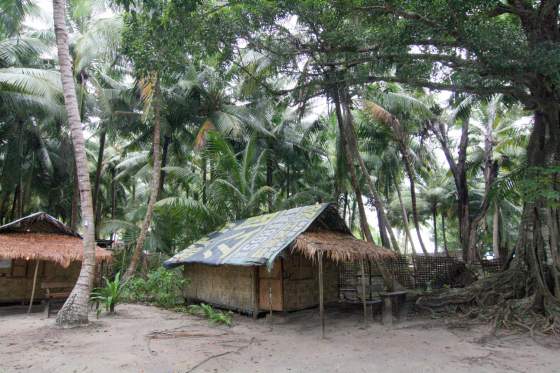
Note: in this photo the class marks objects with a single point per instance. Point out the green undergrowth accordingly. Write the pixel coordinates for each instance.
(160, 287)
(214, 316)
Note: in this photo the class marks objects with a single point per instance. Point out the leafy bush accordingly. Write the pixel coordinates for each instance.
(161, 287)
(213, 315)
(109, 295)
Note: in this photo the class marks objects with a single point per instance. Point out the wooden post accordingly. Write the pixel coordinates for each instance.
(321, 295)
(255, 292)
(34, 285)
(270, 301)
(364, 300)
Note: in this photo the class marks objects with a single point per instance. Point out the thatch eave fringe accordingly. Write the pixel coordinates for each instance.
(338, 247)
(57, 248)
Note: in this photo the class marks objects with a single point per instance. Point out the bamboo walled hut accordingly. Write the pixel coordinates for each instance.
(38, 249)
(273, 262)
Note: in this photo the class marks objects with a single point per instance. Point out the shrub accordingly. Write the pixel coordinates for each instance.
(161, 287)
(109, 295)
(214, 316)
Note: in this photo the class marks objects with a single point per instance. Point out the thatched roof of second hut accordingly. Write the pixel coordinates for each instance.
(41, 237)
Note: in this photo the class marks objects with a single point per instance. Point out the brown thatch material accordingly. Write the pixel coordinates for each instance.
(58, 248)
(338, 247)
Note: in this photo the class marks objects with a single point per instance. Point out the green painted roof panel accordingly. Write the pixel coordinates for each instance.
(253, 241)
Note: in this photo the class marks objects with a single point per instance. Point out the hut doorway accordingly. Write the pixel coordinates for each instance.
(271, 287)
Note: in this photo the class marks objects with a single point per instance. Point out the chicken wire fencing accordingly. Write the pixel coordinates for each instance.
(412, 272)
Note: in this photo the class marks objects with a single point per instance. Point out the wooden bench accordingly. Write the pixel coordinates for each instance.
(55, 291)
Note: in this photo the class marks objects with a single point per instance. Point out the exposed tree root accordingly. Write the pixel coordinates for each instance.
(506, 299)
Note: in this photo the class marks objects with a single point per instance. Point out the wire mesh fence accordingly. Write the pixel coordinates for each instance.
(411, 271)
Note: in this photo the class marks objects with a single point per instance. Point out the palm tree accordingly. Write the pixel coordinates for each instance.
(237, 186)
(152, 95)
(75, 309)
(400, 111)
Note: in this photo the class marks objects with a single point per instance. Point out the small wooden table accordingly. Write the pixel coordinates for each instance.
(396, 298)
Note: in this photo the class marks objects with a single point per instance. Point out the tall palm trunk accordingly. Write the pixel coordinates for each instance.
(405, 218)
(434, 217)
(75, 309)
(444, 235)
(388, 279)
(414, 203)
(496, 231)
(164, 156)
(154, 186)
(98, 168)
(352, 142)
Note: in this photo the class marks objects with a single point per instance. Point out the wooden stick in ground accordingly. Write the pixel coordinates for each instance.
(321, 295)
(270, 301)
(255, 292)
(34, 286)
(364, 301)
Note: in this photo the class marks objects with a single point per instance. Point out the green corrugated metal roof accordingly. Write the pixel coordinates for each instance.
(253, 241)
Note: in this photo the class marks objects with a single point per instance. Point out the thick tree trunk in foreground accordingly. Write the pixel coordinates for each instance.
(522, 291)
(75, 309)
(154, 186)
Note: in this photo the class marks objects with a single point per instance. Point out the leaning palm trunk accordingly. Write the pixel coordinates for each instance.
(353, 143)
(154, 187)
(75, 309)
(388, 279)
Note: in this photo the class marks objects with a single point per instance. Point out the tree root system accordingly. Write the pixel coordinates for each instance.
(507, 299)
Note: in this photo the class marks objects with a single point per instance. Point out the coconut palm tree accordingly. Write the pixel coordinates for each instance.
(75, 309)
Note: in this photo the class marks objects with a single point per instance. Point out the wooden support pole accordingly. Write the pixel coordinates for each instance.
(364, 300)
(255, 292)
(34, 286)
(270, 302)
(321, 294)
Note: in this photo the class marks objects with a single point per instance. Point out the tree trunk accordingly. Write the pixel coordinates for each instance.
(269, 170)
(98, 168)
(287, 179)
(405, 218)
(154, 186)
(444, 235)
(458, 169)
(496, 231)
(113, 193)
(164, 155)
(204, 181)
(382, 230)
(75, 309)
(434, 217)
(388, 280)
(352, 142)
(75, 203)
(410, 174)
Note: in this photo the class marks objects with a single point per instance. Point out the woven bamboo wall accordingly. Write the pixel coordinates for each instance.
(16, 283)
(301, 283)
(225, 286)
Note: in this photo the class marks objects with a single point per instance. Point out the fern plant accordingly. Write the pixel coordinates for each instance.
(214, 316)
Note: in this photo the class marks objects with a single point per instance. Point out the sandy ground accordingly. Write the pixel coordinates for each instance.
(147, 339)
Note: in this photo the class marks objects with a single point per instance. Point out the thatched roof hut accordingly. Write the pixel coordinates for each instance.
(273, 261)
(41, 237)
(39, 249)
